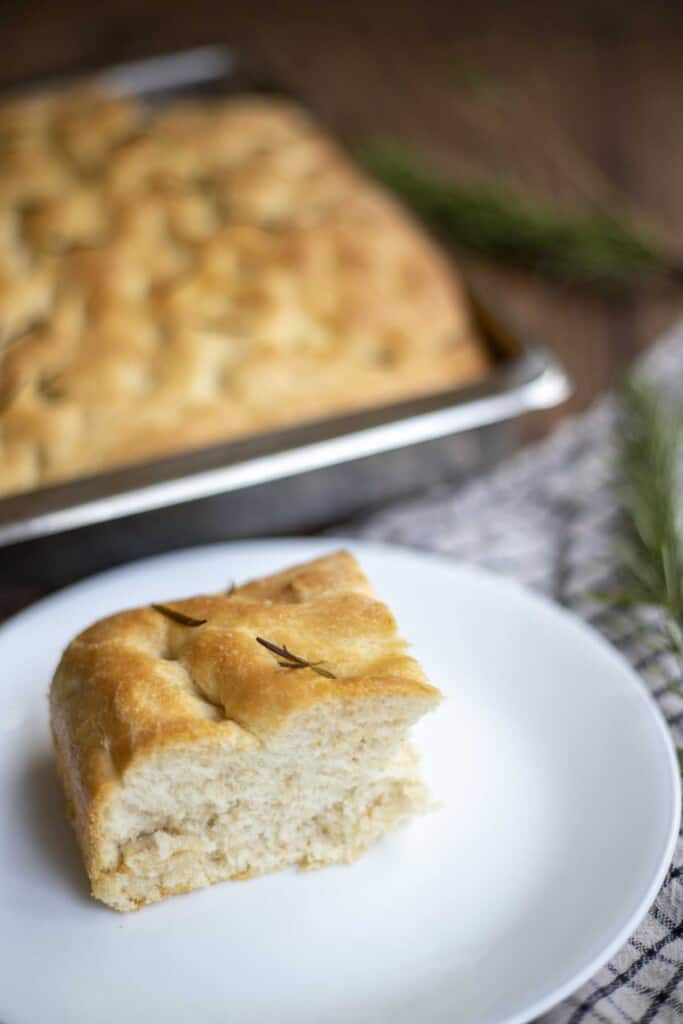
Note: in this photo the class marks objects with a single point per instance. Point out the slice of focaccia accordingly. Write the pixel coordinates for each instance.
(229, 735)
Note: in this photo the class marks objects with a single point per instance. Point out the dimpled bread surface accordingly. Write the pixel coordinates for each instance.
(177, 277)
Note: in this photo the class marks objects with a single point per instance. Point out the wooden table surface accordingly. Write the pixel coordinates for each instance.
(577, 101)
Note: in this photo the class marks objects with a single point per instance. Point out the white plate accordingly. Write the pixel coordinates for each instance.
(560, 806)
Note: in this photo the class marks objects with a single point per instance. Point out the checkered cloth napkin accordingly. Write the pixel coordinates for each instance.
(547, 518)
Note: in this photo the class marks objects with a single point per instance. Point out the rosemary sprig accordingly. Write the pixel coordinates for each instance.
(286, 659)
(651, 547)
(594, 246)
(293, 661)
(179, 617)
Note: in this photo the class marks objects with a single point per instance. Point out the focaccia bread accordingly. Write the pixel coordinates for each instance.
(175, 278)
(230, 735)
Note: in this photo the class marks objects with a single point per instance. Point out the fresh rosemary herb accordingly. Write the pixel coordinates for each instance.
(179, 617)
(594, 246)
(293, 661)
(651, 546)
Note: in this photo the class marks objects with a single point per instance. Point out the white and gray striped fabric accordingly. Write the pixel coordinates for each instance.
(547, 518)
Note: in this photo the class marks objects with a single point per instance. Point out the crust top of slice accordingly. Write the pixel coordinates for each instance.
(138, 681)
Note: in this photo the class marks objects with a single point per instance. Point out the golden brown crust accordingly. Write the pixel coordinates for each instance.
(176, 279)
(137, 682)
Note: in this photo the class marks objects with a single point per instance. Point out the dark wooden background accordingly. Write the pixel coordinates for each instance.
(578, 101)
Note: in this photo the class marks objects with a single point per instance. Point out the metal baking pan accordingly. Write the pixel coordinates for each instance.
(296, 479)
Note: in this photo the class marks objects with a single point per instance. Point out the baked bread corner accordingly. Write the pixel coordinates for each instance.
(225, 736)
